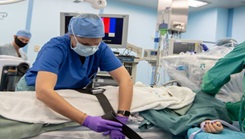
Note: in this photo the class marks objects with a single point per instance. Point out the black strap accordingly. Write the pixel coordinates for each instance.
(105, 104)
(99, 93)
(127, 131)
(110, 114)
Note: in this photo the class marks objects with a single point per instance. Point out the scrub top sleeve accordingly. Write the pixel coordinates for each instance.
(109, 61)
(50, 59)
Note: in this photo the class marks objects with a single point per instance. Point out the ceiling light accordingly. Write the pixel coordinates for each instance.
(196, 3)
(2, 2)
(77, 1)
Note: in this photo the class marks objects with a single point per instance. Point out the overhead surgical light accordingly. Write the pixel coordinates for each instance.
(196, 3)
(2, 2)
(77, 1)
(96, 4)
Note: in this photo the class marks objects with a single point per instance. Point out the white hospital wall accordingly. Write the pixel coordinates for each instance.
(217, 23)
(238, 28)
(222, 23)
(207, 25)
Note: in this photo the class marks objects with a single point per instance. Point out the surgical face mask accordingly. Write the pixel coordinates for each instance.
(19, 42)
(84, 50)
(81, 49)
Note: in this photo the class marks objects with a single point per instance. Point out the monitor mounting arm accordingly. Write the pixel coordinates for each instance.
(96, 4)
(136, 49)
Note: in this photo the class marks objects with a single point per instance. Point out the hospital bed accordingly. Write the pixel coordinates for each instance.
(145, 97)
(84, 133)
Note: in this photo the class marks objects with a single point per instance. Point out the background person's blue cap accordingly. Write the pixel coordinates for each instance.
(87, 26)
(24, 33)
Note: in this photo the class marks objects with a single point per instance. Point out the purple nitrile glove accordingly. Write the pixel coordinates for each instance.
(98, 124)
(116, 134)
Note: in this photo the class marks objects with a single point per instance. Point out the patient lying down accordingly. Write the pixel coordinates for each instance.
(145, 98)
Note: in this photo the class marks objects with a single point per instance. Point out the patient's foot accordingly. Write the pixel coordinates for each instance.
(213, 127)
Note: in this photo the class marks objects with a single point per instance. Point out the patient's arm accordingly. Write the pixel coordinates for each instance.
(215, 127)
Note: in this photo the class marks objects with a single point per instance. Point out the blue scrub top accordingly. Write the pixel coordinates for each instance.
(57, 57)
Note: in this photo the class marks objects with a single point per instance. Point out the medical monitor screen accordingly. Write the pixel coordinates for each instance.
(113, 30)
(183, 47)
(116, 28)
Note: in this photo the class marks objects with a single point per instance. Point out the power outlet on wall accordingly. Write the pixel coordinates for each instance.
(36, 48)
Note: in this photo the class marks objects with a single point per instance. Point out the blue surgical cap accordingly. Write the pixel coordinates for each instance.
(87, 26)
(24, 33)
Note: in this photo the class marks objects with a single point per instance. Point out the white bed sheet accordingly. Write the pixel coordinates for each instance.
(23, 106)
(85, 133)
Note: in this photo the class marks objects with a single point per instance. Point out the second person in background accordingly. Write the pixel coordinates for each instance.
(21, 39)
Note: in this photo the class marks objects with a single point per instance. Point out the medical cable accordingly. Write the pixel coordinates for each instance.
(92, 77)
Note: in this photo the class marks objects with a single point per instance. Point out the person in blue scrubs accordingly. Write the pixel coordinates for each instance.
(71, 62)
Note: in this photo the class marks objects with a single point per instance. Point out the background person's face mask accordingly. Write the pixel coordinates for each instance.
(84, 50)
(19, 42)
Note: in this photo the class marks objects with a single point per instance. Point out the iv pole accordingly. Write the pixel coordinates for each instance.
(161, 30)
